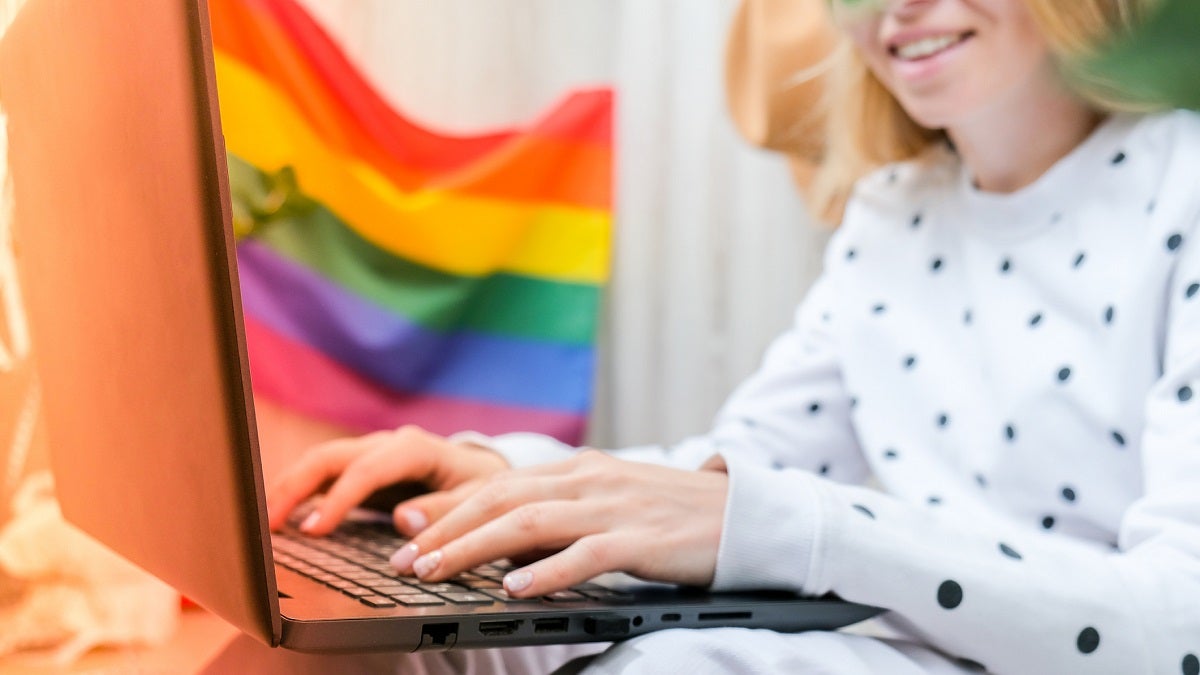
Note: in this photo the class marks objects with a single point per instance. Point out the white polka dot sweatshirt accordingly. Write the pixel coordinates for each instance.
(1021, 375)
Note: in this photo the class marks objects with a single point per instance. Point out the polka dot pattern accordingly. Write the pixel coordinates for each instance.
(1088, 640)
(1000, 287)
(950, 594)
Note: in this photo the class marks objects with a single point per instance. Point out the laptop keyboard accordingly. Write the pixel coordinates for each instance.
(354, 560)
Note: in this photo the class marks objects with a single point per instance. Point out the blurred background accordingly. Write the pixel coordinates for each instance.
(698, 245)
(710, 244)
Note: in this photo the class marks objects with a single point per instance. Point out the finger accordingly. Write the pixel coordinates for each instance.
(492, 500)
(412, 516)
(539, 525)
(314, 468)
(587, 558)
(383, 465)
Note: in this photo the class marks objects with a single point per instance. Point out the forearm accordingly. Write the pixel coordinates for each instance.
(978, 587)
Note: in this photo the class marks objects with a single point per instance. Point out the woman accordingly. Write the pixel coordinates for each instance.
(1005, 335)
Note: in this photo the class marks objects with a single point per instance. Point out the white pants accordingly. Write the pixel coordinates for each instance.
(695, 652)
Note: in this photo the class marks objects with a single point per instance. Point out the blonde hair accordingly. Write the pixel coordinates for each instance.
(866, 127)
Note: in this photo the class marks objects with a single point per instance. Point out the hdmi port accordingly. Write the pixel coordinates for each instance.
(499, 627)
(550, 625)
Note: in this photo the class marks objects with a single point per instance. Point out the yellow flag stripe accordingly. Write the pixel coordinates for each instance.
(441, 229)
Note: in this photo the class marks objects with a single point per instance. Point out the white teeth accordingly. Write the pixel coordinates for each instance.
(926, 46)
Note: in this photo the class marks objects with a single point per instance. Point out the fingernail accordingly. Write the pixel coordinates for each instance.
(310, 522)
(403, 558)
(515, 582)
(426, 564)
(415, 519)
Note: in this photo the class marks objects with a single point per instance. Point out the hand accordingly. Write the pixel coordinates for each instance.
(600, 513)
(364, 464)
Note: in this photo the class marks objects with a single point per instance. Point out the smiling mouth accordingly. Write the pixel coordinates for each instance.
(927, 47)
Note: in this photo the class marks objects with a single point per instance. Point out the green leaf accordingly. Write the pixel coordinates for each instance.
(1159, 63)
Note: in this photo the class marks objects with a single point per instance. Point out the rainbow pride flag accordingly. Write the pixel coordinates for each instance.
(394, 275)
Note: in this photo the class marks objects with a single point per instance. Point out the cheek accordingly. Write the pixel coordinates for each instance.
(872, 52)
(1016, 64)
(878, 62)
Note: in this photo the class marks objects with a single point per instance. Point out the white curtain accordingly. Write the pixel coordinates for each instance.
(713, 248)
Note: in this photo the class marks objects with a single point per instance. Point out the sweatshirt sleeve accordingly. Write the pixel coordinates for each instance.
(991, 591)
(794, 411)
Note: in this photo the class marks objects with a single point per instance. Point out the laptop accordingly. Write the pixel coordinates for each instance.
(126, 253)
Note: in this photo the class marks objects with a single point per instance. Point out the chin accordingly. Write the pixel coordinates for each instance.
(932, 115)
(928, 120)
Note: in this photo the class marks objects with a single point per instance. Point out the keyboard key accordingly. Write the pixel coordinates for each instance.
(609, 595)
(468, 598)
(442, 588)
(396, 588)
(418, 600)
(566, 596)
(503, 596)
(377, 601)
(363, 575)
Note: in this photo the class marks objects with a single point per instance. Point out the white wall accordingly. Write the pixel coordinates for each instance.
(713, 248)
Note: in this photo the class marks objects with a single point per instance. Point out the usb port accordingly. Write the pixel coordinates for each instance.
(499, 627)
(550, 625)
